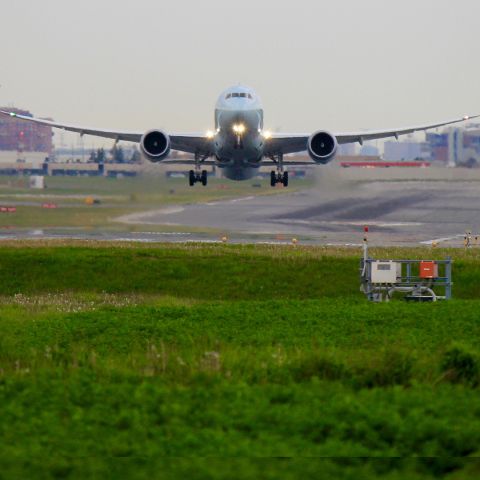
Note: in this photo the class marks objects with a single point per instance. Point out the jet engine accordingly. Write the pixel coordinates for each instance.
(155, 145)
(322, 147)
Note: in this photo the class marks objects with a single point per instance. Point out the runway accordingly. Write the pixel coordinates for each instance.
(398, 212)
(437, 206)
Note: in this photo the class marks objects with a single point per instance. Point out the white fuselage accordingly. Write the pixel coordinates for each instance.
(238, 137)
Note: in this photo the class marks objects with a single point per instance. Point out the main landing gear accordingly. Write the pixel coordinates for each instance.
(280, 176)
(194, 177)
(198, 175)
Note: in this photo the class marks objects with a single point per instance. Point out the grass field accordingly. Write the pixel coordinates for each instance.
(239, 351)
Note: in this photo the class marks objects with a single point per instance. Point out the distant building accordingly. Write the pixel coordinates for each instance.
(369, 151)
(20, 136)
(471, 145)
(346, 150)
(438, 146)
(456, 147)
(406, 151)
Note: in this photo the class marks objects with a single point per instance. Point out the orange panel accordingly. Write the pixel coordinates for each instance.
(428, 270)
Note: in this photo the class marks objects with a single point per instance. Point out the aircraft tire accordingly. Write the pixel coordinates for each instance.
(204, 178)
(191, 178)
(273, 178)
(285, 179)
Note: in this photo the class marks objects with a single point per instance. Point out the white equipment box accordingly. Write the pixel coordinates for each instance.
(386, 272)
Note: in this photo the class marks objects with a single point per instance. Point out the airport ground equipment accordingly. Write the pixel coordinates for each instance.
(418, 280)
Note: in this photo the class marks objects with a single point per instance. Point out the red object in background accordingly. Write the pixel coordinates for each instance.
(384, 164)
(8, 209)
(365, 229)
(49, 205)
(428, 270)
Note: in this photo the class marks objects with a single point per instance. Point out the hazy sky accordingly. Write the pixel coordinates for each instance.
(340, 65)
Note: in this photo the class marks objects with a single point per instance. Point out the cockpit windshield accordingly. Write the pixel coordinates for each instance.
(239, 95)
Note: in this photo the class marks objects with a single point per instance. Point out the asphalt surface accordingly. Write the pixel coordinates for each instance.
(398, 212)
(398, 209)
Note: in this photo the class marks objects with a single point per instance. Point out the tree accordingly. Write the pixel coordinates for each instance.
(118, 155)
(100, 156)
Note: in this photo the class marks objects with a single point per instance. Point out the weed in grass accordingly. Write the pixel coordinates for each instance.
(460, 365)
(391, 367)
(320, 366)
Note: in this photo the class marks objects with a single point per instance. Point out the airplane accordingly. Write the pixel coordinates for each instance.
(239, 144)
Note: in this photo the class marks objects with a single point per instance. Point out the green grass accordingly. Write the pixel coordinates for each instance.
(215, 272)
(191, 351)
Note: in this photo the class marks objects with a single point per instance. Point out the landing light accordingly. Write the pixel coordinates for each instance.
(210, 134)
(267, 135)
(239, 128)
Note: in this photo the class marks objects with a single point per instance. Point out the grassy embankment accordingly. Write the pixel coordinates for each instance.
(117, 196)
(232, 350)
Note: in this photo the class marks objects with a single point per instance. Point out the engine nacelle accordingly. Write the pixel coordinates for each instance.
(322, 147)
(155, 145)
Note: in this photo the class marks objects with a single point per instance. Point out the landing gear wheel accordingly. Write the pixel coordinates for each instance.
(279, 178)
(191, 178)
(273, 179)
(204, 178)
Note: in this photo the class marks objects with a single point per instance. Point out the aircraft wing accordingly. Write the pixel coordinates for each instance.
(126, 136)
(293, 143)
(277, 143)
(361, 137)
(185, 143)
(194, 143)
